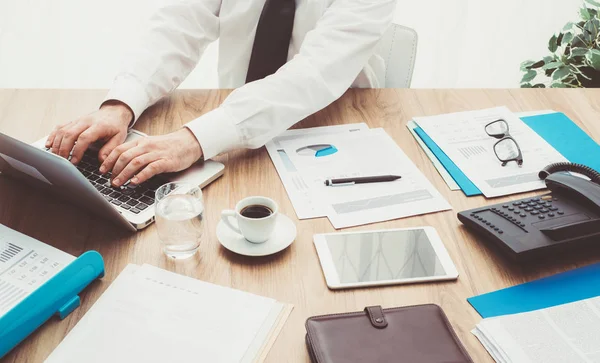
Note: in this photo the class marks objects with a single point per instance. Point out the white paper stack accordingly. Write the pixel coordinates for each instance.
(358, 152)
(568, 333)
(462, 137)
(412, 125)
(152, 315)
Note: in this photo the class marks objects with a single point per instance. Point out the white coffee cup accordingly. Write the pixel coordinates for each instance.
(255, 230)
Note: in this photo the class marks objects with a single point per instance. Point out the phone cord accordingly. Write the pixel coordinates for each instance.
(575, 168)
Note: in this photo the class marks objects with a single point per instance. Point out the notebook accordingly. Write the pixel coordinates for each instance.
(152, 315)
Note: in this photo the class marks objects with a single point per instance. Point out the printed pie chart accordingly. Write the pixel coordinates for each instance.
(317, 151)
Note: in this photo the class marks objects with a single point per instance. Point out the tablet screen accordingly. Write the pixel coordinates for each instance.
(386, 255)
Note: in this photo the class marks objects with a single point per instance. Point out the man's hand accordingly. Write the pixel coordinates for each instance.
(141, 159)
(109, 124)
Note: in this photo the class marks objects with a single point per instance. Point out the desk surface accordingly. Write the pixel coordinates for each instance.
(294, 275)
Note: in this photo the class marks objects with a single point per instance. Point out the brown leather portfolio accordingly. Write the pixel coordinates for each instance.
(413, 334)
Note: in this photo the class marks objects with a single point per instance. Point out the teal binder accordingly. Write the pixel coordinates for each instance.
(57, 296)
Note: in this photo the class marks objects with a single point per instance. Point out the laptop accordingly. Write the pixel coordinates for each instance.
(129, 206)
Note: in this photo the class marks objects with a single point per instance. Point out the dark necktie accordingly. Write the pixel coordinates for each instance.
(272, 40)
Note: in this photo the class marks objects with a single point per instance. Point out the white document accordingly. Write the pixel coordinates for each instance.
(560, 334)
(152, 315)
(294, 184)
(25, 264)
(368, 153)
(463, 138)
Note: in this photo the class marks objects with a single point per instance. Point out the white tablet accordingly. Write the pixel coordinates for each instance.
(386, 257)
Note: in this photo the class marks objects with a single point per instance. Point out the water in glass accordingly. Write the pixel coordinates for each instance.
(179, 214)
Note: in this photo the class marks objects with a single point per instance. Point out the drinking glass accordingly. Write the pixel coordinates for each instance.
(179, 214)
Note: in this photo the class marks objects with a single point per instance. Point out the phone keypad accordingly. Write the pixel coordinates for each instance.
(542, 208)
(517, 212)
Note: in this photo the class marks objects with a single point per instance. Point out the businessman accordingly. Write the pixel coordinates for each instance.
(287, 59)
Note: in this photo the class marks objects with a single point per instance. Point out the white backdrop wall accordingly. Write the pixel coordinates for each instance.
(463, 43)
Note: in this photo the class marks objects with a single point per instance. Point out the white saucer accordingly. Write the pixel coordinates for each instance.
(283, 236)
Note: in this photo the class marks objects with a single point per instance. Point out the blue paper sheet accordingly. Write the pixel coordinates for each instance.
(578, 284)
(556, 128)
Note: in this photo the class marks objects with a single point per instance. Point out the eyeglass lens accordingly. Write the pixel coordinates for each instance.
(506, 150)
(498, 128)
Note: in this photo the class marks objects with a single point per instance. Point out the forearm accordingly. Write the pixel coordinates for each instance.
(170, 49)
(331, 57)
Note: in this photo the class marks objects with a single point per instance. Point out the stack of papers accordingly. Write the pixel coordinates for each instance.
(462, 138)
(554, 127)
(564, 333)
(306, 158)
(152, 315)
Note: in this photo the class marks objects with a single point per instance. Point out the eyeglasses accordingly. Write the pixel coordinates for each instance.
(506, 149)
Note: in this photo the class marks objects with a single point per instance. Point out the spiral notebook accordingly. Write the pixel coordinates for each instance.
(152, 315)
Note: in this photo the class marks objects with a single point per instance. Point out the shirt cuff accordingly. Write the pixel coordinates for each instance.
(131, 93)
(215, 132)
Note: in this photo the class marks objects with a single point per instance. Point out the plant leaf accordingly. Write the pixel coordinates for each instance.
(526, 85)
(592, 27)
(558, 85)
(553, 44)
(549, 59)
(527, 64)
(593, 3)
(578, 42)
(593, 58)
(568, 26)
(585, 14)
(529, 76)
(587, 37)
(539, 85)
(567, 38)
(537, 65)
(578, 52)
(552, 65)
(561, 73)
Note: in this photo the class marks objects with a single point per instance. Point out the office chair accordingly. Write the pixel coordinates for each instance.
(398, 48)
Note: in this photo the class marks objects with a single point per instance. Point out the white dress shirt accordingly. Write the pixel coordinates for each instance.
(332, 49)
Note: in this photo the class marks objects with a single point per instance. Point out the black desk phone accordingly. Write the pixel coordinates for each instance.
(565, 218)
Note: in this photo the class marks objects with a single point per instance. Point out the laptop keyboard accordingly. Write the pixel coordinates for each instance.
(133, 198)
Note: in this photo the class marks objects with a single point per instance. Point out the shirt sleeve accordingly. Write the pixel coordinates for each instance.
(330, 58)
(178, 34)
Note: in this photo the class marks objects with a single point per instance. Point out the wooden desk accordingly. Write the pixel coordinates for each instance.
(293, 275)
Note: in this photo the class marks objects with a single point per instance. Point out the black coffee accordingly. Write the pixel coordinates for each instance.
(256, 211)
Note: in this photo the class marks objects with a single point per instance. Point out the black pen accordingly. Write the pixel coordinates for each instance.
(361, 180)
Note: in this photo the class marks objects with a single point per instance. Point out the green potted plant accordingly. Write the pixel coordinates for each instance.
(575, 55)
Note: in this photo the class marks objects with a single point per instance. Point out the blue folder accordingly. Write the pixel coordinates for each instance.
(556, 128)
(465, 184)
(578, 284)
(57, 296)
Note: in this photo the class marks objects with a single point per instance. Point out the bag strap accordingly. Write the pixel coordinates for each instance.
(375, 314)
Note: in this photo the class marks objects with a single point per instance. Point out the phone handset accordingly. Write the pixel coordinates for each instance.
(570, 167)
(558, 181)
(570, 186)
